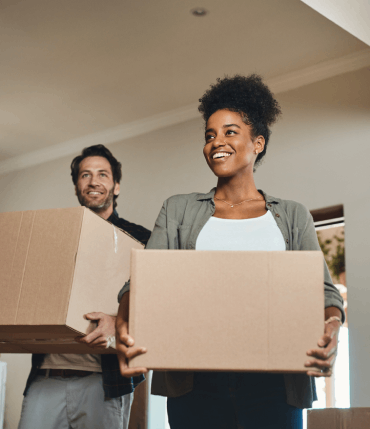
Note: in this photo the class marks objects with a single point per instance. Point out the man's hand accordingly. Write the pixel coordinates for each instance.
(100, 336)
(323, 359)
(125, 343)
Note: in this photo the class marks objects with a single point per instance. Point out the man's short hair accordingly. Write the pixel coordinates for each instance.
(98, 150)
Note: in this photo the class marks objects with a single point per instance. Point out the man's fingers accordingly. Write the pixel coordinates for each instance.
(94, 315)
(91, 337)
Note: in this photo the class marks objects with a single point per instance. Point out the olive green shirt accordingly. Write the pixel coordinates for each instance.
(178, 225)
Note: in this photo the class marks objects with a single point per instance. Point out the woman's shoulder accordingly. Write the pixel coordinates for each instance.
(292, 208)
(185, 199)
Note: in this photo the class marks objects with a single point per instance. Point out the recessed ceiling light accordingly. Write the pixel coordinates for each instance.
(199, 11)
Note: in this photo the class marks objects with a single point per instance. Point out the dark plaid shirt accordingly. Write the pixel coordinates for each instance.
(113, 383)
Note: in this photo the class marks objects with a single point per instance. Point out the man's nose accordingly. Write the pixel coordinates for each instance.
(93, 180)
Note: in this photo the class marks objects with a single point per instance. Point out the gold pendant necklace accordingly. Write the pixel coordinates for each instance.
(232, 205)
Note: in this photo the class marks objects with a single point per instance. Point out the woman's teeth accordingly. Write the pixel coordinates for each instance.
(220, 155)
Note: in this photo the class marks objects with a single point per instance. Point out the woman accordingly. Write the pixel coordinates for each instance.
(238, 113)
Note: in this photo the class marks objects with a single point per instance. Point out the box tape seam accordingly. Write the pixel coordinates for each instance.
(25, 262)
(72, 278)
(115, 239)
(11, 270)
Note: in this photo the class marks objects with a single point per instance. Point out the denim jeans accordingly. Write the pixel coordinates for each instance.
(226, 400)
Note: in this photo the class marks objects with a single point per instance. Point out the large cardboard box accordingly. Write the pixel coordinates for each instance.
(339, 418)
(216, 310)
(55, 266)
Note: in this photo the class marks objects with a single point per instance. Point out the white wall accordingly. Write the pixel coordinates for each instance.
(319, 155)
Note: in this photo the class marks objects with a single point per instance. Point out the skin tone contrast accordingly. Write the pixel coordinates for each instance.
(231, 151)
(95, 189)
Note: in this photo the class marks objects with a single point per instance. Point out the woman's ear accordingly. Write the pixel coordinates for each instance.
(259, 144)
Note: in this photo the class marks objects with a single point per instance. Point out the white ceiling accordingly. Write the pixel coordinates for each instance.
(70, 68)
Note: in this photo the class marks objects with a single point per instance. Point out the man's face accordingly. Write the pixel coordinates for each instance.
(95, 187)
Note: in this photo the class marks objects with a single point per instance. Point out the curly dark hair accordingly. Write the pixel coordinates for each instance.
(247, 95)
(98, 150)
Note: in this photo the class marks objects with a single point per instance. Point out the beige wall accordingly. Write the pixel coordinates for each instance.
(319, 155)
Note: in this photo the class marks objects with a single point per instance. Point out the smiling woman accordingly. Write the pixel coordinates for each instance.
(238, 113)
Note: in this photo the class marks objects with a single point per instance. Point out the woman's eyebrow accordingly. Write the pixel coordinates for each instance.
(223, 126)
(230, 125)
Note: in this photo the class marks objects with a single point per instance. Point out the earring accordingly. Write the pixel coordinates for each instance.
(256, 152)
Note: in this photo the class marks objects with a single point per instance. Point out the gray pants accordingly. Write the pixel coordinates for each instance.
(73, 403)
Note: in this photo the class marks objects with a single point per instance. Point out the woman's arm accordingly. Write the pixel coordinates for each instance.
(309, 241)
(124, 342)
(322, 359)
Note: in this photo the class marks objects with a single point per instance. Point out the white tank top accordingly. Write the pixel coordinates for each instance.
(260, 233)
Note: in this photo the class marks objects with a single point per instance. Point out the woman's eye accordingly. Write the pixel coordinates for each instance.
(230, 132)
(209, 137)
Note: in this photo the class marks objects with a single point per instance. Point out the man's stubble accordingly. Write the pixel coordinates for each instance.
(95, 205)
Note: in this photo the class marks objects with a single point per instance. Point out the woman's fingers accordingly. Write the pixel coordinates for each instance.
(125, 355)
(320, 373)
(125, 339)
(323, 353)
(322, 359)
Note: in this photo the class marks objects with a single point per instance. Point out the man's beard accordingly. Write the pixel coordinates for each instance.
(96, 206)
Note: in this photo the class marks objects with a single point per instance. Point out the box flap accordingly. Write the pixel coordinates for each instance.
(15, 230)
(102, 268)
(49, 266)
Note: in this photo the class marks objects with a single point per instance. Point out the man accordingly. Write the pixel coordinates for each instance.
(85, 391)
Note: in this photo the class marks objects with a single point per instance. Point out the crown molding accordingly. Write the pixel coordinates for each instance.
(293, 80)
(324, 70)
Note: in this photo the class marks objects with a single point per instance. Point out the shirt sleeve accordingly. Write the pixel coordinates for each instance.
(309, 241)
(157, 240)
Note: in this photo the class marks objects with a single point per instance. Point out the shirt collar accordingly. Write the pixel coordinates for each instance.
(211, 194)
(113, 216)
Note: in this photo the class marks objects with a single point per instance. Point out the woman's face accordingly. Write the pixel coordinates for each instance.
(229, 147)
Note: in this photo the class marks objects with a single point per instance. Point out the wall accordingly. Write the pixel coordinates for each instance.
(319, 155)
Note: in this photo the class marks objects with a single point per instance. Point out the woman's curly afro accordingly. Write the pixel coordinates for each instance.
(247, 95)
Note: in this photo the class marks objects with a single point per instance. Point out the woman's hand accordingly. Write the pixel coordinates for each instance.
(322, 359)
(125, 343)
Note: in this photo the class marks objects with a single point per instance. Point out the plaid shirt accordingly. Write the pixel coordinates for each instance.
(113, 383)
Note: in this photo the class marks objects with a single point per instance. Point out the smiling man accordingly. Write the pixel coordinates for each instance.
(66, 391)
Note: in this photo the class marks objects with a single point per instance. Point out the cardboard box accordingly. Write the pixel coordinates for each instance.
(55, 266)
(339, 418)
(233, 310)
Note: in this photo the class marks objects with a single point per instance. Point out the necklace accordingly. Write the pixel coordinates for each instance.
(244, 201)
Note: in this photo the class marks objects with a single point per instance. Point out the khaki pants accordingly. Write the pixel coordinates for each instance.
(73, 403)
